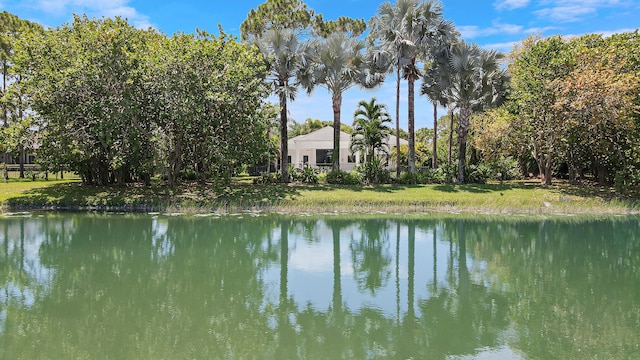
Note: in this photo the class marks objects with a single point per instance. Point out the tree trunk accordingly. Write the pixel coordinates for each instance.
(269, 148)
(398, 158)
(411, 125)
(463, 130)
(434, 155)
(5, 118)
(284, 138)
(21, 161)
(450, 159)
(336, 98)
(175, 163)
(547, 169)
(602, 175)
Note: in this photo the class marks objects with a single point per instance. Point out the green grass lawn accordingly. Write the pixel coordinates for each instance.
(515, 197)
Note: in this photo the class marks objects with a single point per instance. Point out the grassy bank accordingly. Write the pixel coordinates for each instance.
(520, 197)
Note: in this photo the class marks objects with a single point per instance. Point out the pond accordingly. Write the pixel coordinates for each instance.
(323, 287)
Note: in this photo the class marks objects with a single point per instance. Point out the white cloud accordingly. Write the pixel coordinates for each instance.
(565, 11)
(471, 32)
(95, 8)
(504, 48)
(566, 14)
(510, 4)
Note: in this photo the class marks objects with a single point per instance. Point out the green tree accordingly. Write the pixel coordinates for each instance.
(370, 129)
(597, 100)
(435, 85)
(285, 56)
(477, 83)
(533, 70)
(337, 63)
(407, 33)
(308, 126)
(209, 106)
(84, 84)
(14, 133)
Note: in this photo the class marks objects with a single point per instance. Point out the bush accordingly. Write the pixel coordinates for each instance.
(426, 176)
(374, 172)
(340, 177)
(504, 169)
(478, 174)
(268, 178)
(447, 173)
(305, 175)
(628, 179)
(187, 175)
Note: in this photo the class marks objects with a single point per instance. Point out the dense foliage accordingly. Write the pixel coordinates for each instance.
(575, 104)
(115, 103)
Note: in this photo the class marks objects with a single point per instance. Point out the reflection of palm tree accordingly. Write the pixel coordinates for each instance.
(286, 334)
(370, 261)
(408, 341)
(398, 272)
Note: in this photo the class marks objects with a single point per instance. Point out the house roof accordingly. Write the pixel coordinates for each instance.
(326, 134)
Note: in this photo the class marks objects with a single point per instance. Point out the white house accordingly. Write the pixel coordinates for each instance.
(316, 150)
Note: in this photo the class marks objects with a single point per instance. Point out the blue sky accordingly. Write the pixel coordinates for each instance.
(495, 24)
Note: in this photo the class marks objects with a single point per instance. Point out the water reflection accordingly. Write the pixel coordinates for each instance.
(273, 287)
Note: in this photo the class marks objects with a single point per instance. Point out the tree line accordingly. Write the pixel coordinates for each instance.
(117, 104)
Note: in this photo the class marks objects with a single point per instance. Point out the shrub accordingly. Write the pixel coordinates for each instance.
(447, 173)
(504, 169)
(268, 178)
(374, 172)
(305, 175)
(478, 174)
(187, 175)
(628, 179)
(340, 177)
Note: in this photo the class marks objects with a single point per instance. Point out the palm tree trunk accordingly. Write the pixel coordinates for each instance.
(434, 156)
(398, 123)
(411, 125)
(463, 130)
(5, 119)
(337, 104)
(284, 138)
(450, 160)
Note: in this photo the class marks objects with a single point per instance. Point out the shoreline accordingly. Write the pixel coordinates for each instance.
(195, 199)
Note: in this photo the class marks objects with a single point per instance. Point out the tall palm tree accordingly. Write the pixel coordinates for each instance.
(477, 82)
(338, 64)
(370, 129)
(435, 85)
(406, 33)
(285, 55)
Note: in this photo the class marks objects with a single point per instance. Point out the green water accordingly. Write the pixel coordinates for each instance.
(78, 286)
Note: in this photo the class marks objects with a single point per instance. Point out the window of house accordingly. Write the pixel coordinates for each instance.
(289, 159)
(324, 156)
(351, 159)
(305, 159)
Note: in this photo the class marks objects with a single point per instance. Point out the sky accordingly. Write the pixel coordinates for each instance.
(492, 24)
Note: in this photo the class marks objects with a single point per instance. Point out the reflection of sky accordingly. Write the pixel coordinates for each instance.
(23, 239)
(310, 277)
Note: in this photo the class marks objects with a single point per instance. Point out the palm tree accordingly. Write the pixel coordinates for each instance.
(407, 32)
(435, 85)
(370, 131)
(286, 55)
(477, 82)
(338, 64)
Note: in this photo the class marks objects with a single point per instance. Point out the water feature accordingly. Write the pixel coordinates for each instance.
(321, 287)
